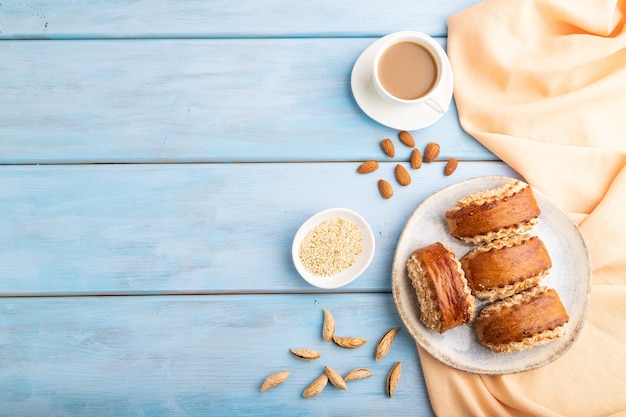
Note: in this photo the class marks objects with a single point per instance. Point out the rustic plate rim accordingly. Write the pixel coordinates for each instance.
(436, 348)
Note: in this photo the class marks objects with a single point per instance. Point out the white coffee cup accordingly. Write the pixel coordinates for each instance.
(408, 70)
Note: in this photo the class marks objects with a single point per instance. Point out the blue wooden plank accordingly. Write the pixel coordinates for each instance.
(220, 18)
(145, 229)
(198, 86)
(192, 101)
(197, 356)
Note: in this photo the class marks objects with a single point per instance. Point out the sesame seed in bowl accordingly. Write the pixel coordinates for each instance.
(333, 248)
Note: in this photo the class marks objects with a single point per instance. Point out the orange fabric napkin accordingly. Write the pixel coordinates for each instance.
(542, 84)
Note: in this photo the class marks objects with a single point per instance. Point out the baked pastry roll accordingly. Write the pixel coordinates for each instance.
(531, 318)
(444, 297)
(503, 211)
(506, 266)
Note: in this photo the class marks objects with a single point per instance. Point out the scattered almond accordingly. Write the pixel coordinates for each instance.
(407, 139)
(316, 387)
(432, 152)
(328, 329)
(393, 378)
(367, 167)
(358, 373)
(305, 354)
(388, 147)
(384, 344)
(349, 342)
(451, 166)
(275, 379)
(335, 378)
(416, 159)
(385, 189)
(402, 175)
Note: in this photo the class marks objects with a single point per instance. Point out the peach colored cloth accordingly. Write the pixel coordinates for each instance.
(542, 84)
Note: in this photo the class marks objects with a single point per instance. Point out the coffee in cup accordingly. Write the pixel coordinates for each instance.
(407, 70)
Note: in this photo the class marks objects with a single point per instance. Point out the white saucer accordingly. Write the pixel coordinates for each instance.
(395, 116)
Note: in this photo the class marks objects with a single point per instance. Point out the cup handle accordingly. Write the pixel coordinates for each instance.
(432, 103)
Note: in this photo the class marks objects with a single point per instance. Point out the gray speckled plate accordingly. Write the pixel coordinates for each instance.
(459, 347)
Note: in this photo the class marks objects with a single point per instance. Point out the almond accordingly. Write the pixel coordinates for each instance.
(393, 377)
(402, 175)
(388, 147)
(358, 373)
(451, 166)
(416, 159)
(328, 329)
(384, 344)
(273, 380)
(316, 387)
(367, 167)
(432, 152)
(305, 354)
(385, 189)
(406, 138)
(349, 342)
(335, 378)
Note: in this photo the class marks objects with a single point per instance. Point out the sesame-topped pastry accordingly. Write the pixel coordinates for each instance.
(506, 266)
(531, 318)
(444, 297)
(503, 211)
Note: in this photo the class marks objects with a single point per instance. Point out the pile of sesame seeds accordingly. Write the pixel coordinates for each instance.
(331, 247)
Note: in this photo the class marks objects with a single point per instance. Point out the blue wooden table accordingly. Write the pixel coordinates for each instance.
(157, 158)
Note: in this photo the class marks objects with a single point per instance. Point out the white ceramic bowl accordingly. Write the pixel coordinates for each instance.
(347, 275)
